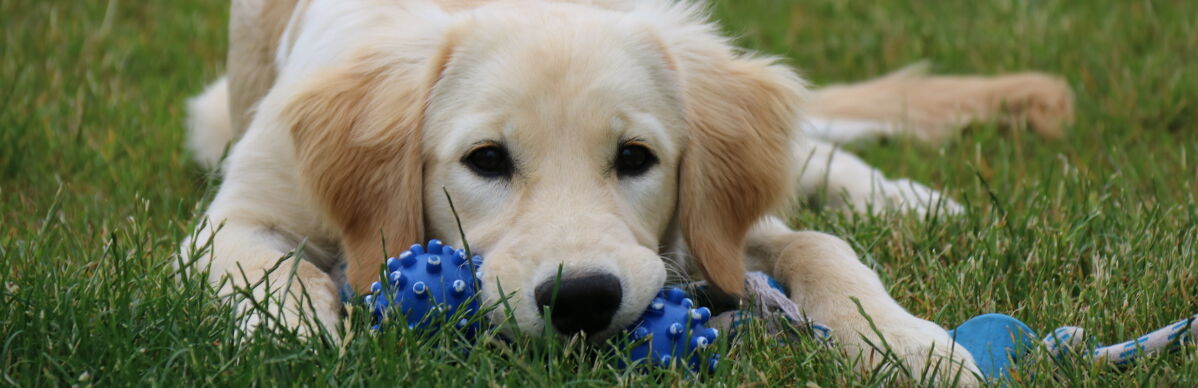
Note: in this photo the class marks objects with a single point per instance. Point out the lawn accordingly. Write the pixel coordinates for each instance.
(1098, 230)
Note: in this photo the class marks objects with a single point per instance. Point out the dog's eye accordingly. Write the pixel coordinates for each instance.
(490, 161)
(633, 160)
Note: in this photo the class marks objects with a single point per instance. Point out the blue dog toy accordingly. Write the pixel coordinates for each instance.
(427, 286)
(672, 326)
(997, 342)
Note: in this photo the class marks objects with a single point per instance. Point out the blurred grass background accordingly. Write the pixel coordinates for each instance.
(1098, 230)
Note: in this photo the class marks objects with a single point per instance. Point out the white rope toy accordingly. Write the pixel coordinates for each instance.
(1067, 339)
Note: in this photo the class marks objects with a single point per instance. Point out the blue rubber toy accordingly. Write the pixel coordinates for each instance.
(996, 342)
(427, 286)
(671, 327)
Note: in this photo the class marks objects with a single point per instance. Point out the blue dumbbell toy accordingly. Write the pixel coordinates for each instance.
(425, 286)
(999, 342)
(672, 327)
(440, 280)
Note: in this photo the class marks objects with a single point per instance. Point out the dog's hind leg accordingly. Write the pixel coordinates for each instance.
(932, 108)
(219, 115)
(839, 180)
(256, 31)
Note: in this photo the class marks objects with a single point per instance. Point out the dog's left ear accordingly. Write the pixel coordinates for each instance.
(738, 161)
(356, 129)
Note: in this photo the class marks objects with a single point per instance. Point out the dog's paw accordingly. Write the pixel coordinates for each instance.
(922, 350)
(1044, 102)
(310, 307)
(304, 320)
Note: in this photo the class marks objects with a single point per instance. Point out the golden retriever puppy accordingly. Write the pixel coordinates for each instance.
(589, 137)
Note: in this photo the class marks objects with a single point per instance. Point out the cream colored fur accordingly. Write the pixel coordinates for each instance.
(352, 115)
(932, 108)
(209, 128)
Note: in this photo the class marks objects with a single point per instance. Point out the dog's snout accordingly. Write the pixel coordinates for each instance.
(584, 303)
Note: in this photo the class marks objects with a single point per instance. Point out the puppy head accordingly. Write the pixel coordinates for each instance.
(575, 144)
(559, 141)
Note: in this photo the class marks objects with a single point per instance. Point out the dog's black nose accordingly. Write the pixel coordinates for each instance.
(583, 303)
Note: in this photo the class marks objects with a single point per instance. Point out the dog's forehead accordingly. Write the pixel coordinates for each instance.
(595, 83)
(530, 68)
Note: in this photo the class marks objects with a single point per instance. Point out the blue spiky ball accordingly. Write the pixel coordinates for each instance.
(425, 286)
(672, 330)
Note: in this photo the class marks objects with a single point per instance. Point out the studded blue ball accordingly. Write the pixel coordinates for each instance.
(425, 286)
(673, 330)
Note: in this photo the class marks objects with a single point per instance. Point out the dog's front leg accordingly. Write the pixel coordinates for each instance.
(267, 281)
(827, 281)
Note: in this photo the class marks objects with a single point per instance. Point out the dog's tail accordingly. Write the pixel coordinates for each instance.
(910, 102)
(209, 125)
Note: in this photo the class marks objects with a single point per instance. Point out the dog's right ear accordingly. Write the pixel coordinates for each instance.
(357, 137)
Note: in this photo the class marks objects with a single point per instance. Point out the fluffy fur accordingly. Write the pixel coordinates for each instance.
(347, 119)
(210, 131)
(932, 108)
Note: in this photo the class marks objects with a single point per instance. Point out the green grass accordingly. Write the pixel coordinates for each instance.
(1099, 230)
